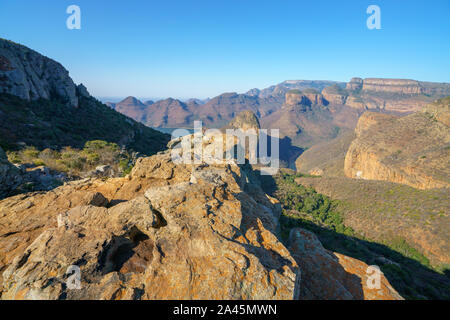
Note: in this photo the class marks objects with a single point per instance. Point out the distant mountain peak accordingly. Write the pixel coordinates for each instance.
(130, 100)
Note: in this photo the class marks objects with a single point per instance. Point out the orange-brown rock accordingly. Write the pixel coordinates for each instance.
(194, 229)
(166, 231)
(412, 150)
(333, 276)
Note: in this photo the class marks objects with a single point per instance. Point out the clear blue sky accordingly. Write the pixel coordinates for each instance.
(204, 48)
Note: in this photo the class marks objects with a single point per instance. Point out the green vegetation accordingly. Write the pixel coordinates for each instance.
(407, 269)
(303, 206)
(401, 246)
(54, 124)
(295, 91)
(75, 161)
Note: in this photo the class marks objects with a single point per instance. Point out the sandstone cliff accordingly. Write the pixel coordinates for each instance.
(306, 123)
(412, 150)
(30, 76)
(167, 231)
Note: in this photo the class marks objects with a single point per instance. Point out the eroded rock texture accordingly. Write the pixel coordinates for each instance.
(167, 231)
(30, 75)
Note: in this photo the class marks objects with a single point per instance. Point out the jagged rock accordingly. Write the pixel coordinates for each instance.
(167, 231)
(333, 276)
(178, 241)
(30, 75)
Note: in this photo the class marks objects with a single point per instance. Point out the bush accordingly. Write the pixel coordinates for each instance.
(75, 161)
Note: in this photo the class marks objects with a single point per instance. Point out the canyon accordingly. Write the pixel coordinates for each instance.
(170, 230)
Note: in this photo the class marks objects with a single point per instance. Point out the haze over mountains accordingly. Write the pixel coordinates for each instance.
(392, 95)
(306, 112)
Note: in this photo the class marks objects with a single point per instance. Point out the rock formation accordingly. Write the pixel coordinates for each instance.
(335, 94)
(305, 123)
(52, 121)
(246, 120)
(412, 150)
(355, 84)
(333, 276)
(392, 85)
(167, 231)
(308, 98)
(30, 76)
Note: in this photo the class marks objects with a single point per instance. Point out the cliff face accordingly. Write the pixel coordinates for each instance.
(246, 120)
(297, 97)
(30, 76)
(412, 150)
(168, 231)
(387, 95)
(392, 85)
(65, 114)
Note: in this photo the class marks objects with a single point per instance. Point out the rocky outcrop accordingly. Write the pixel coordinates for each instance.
(167, 231)
(282, 88)
(403, 86)
(30, 75)
(355, 84)
(333, 276)
(412, 150)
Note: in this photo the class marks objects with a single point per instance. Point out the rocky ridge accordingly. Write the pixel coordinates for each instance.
(167, 231)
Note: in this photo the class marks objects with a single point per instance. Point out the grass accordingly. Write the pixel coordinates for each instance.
(76, 161)
(407, 269)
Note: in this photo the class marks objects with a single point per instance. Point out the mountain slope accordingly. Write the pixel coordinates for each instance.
(41, 106)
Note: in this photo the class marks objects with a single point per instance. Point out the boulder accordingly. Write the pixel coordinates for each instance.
(30, 75)
(329, 275)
